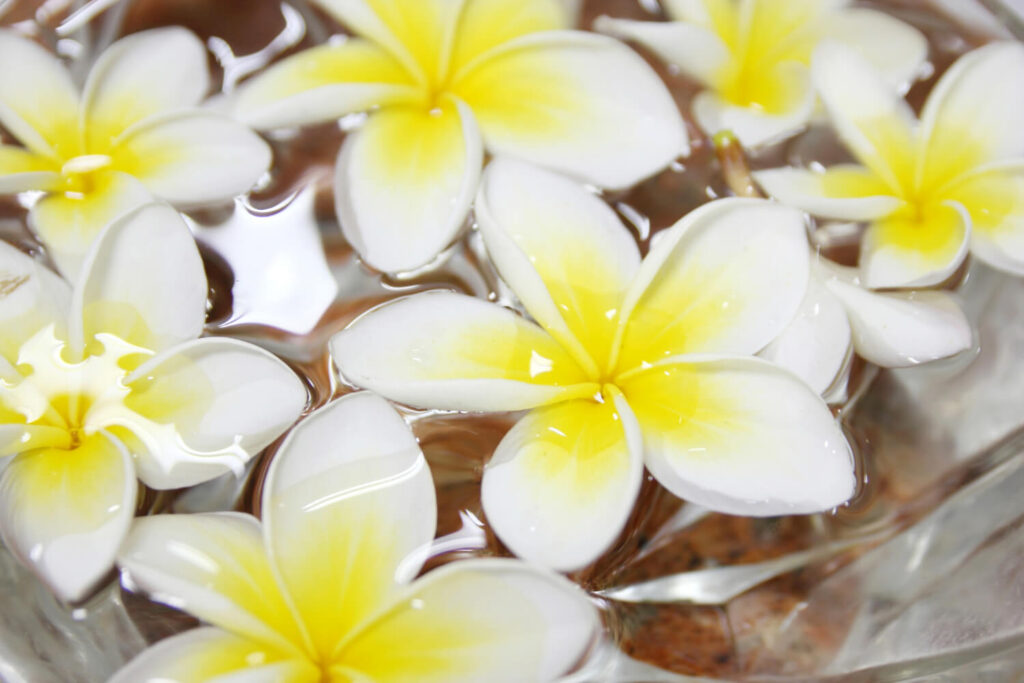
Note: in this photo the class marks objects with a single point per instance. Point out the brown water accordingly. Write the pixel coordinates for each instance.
(718, 640)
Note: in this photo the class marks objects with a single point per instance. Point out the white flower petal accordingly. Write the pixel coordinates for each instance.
(698, 51)
(843, 192)
(194, 157)
(907, 250)
(896, 49)
(210, 655)
(431, 160)
(139, 76)
(487, 24)
(562, 250)
(21, 170)
(994, 196)
(324, 83)
(903, 328)
(480, 620)
(213, 566)
(563, 481)
(64, 513)
(727, 278)
(143, 281)
(349, 513)
(38, 101)
(971, 116)
(579, 103)
(455, 352)
(740, 436)
(816, 345)
(222, 397)
(31, 297)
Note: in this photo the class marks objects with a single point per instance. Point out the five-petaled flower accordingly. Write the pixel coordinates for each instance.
(320, 591)
(452, 78)
(134, 133)
(107, 382)
(929, 189)
(630, 363)
(753, 56)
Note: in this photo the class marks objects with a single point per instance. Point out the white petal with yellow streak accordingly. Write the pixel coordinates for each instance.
(908, 250)
(876, 124)
(211, 655)
(994, 197)
(479, 620)
(325, 83)
(740, 436)
(31, 297)
(215, 567)
(143, 281)
(69, 222)
(487, 24)
(562, 250)
(579, 103)
(972, 116)
(193, 157)
(349, 513)
(38, 101)
(563, 481)
(224, 401)
(22, 170)
(718, 15)
(65, 512)
(843, 192)
(896, 49)
(900, 329)
(431, 159)
(727, 278)
(142, 75)
(455, 352)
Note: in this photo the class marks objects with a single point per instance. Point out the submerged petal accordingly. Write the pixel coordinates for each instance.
(65, 512)
(563, 252)
(740, 436)
(450, 351)
(479, 620)
(578, 103)
(563, 481)
(31, 297)
(431, 159)
(348, 513)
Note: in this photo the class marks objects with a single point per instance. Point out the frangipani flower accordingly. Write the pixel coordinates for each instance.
(320, 591)
(107, 382)
(133, 133)
(928, 189)
(451, 79)
(753, 56)
(630, 363)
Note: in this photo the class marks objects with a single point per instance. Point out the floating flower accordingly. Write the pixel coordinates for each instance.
(929, 189)
(321, 590)
(107, 382)
(134, 133)
(631, 363)
(451, 79)
(753, 56)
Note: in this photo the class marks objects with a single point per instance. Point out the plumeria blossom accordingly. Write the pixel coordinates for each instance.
(629, 363)
(753, 56)
(322, 590)
(108, 382)
(447, 80)
(930, 189)
(133, 133)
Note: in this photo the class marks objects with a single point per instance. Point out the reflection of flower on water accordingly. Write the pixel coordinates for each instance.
(753, 56)
(108, 381)
(450, 80)
(322, 590)
(134, 132)
(632, 363)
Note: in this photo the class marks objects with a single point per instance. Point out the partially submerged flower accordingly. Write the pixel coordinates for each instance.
(752, 56)
(132, 134)
(322, 590)
(928, 189)
(451, 80)
(107, 382)
(630, 363)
